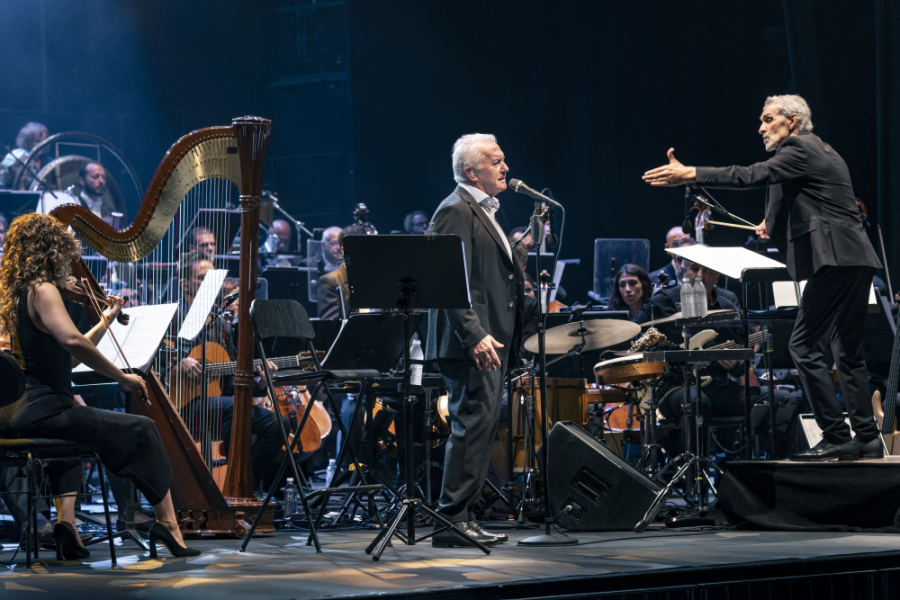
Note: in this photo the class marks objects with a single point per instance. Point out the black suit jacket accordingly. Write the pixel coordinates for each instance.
(328, 300)
(495, 285)
(811, 212)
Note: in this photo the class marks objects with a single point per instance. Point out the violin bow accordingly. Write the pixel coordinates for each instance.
(110, 331)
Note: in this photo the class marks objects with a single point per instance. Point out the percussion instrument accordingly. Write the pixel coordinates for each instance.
(627, 369)
(585, 336)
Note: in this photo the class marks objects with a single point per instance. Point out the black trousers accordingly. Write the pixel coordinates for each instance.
(128, 445)
(475, 399)
(833, 312)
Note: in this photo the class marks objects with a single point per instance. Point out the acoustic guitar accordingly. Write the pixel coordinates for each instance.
(185, 389)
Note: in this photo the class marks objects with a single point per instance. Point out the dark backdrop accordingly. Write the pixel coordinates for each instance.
(583, 96)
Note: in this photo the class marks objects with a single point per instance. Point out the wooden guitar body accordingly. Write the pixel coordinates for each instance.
(185, 389)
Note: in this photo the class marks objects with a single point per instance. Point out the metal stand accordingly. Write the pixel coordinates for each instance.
(548, 539)
(411, 504)
(650, 450)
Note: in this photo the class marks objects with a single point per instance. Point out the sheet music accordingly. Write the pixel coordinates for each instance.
(140, 339)
(785, 293)
(729, 261)
(203, 303)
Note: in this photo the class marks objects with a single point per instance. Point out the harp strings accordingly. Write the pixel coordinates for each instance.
(159, 278)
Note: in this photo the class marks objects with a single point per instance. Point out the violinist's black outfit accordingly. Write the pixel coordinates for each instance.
(812, 218)
(129, 445)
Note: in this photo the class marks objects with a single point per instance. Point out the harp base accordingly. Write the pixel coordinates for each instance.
(229, 523)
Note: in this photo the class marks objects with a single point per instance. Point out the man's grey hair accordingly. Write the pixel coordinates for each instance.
(790, 105)
(467, 153)
(29, 134)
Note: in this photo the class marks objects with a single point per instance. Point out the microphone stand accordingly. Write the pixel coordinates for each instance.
(549, 538)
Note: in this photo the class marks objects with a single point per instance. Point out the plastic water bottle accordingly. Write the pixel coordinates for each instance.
(700, 301)
(417, 362)
(329, 472)
(687, 299)
(290, 498)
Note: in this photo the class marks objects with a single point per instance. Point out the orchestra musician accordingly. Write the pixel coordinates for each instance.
(29, 136)
(812, 217)
(631, 290)
(673, 270)
(333, 289)
(46, 344)
(724, 395)
(474, 346)
(193, 267)
(201, 239)
(92, 178)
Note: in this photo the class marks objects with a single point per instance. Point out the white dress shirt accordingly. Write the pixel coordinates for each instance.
(490, 205)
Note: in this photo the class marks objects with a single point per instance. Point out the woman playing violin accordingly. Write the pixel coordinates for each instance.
(46, 344)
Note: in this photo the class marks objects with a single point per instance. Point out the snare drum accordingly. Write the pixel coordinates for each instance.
(626, 369)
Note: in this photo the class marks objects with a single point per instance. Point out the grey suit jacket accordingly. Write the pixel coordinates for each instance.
(495, 285)
(811, 212)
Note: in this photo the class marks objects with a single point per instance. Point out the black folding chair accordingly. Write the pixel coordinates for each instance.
(32, 453)
(288, 319)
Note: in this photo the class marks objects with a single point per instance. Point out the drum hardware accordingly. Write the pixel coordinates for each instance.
(694, 470)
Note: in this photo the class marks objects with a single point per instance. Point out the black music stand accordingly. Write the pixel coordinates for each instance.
(408, 272)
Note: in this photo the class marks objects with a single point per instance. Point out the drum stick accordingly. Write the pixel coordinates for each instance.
(736, 226)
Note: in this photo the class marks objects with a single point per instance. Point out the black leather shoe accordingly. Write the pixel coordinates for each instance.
(827, 451)
(870, 449)
(474, 524)
(450, 539)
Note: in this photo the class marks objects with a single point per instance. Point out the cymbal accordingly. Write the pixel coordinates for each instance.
(596, 333)
(714, 316)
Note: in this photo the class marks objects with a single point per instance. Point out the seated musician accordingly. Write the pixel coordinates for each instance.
(201, 239)
(193, 267)
(631, 290)
(46, 344)
(29, 136)
(675, 238)
(329, 300)
(724, 395)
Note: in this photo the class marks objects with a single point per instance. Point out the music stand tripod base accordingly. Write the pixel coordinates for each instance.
(547, 540)
(430, 273)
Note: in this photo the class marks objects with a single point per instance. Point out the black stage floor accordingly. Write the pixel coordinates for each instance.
(281, 566)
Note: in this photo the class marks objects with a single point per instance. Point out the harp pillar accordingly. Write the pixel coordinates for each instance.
(252, 134)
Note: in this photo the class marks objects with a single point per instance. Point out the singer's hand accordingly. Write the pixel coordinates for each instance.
(486, 358)
(671, 174)
(761, 231)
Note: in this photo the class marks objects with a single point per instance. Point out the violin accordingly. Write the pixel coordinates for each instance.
(75, 293)
(85, 290)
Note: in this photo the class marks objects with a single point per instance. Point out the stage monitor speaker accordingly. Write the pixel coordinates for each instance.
(602, 489)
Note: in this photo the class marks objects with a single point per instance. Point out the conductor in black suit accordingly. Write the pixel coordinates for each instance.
(474, 346)
(812, 218)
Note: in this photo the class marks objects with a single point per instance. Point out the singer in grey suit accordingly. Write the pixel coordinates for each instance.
(812, 218)
(474, 346)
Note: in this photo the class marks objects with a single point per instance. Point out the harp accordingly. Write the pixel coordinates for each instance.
(193, 185)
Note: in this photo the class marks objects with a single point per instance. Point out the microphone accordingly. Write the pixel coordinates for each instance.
(686, 224)
(230, 297)
(521, 188)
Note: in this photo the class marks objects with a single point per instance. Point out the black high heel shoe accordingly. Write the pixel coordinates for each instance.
(67, 544)
(159, 533)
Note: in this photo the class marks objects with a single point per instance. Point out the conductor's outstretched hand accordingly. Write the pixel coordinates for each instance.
(486, 358)
(671, 174)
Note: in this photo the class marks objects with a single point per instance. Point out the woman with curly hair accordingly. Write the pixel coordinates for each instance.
(631, 289)
(46, 343)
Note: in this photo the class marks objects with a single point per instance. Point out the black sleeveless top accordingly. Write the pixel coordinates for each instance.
(42, 359)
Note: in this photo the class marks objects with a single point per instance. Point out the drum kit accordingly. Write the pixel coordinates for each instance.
(629, 388)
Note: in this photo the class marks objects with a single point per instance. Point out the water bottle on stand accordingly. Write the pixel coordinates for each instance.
(417, 363)
(329, 472)
(290, 498)
(700, 301)
(688, 306)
